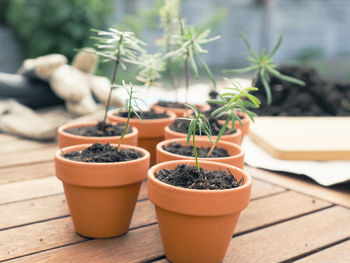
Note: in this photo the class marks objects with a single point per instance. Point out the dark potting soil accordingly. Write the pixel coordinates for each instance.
(103, 153)
(187, 176)
(147, 115)
(182, 126)
(169, 104)
(319, 97)
(188, 150)
(99, 130)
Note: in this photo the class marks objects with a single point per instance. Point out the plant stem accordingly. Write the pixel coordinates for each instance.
(211, 149)
(127, 121)
(113, 81)
(187, 77)
(194, 142)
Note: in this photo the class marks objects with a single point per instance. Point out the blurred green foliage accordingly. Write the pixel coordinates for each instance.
(57, 26)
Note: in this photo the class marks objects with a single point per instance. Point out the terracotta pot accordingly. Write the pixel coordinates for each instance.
(179, 111)
(197, 225)
(236, 153)
(234, 138)
(245, 121)
(67, 139)
(101, 196)
(151, 132)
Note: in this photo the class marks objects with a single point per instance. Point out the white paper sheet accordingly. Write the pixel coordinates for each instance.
(326, 173)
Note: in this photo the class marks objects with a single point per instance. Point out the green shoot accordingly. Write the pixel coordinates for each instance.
(169, 14)
(235, 99)
(263, 67)
(198, 119)
(188, 42)
(120, 47)
(131, 106)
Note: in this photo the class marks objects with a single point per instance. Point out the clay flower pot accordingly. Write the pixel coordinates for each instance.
(151, 131)
(236, 153)
(101, 196)
(67, 139)
(197, 225)
(179, 111)
(234, 138)
(245, 121)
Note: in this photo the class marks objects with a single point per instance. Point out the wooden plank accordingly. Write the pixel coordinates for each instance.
(33, 156)
(262, 189)
(272, 209)
(292, 238)
(260, 212)
(337, 194)
(20, 146)
(337, 254)
(283, 137)
(139, 245)
(29, 189)
(25, 172)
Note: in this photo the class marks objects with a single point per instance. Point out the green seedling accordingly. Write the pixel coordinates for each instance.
(189, 43)
(198, 119)
(120, 47)
(234, 99)
(263, 67)
(131, 106)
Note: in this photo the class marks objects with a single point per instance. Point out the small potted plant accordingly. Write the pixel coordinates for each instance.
(102, 181)
(197, 203)
(121, 48)
(188, 41)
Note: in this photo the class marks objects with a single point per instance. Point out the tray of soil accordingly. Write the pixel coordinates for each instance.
(191, 205)
(90, 132)
(151, 127)
(101, 184)
(177, 107)
(180, 127)
(319, 97)
(177, 149)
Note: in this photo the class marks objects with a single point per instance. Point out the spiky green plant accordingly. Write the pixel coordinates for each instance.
(189, 43)
(263, 67)
(198, 119)
(131, 106)
(234, 99)
(120, 47)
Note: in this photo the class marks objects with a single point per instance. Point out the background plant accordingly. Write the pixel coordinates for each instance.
(263, 67)
(120, 47)
(234, 99)
(198, 119)
(56, 26)
(188, 42)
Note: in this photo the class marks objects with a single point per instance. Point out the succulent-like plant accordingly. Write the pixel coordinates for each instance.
(189, 43)
(198, 119)
(120, 47)
(236, 99)
(131, 106)
(263, 67)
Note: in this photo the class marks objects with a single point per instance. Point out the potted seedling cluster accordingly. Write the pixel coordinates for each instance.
(102, 182)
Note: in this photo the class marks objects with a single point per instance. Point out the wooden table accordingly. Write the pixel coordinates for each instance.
(288, 219)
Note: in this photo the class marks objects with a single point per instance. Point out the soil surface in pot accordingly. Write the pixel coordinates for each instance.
(187, 176)
(319, 97)
(169, 104)
(99, 130)
(180, 125)
(103, 153)
(188, 150)
(146, 115)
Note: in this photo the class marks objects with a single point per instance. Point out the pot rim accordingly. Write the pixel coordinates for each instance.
(134, 131)
(221, 144)
(247, 183)
(78, 147)
(171, 117)
(238, 133)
